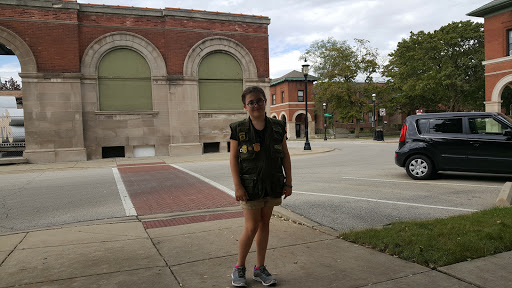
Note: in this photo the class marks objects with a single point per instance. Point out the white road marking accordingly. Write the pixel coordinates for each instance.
(215, 184)
(125, 198)
(232, 193)
(421, 182)
(386, 201)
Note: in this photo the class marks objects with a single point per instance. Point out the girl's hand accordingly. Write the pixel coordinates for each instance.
(240, 194)
(287, 191)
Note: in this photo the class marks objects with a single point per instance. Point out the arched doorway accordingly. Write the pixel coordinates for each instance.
(12, 123)
(499, 91)
(506, 100)
(124, 78)
(218, 94)
(15, 53)
(298, 120)
(300, 127)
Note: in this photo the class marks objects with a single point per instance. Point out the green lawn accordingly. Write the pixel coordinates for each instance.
(442, 242)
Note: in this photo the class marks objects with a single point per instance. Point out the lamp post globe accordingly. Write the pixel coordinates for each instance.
(305, 71)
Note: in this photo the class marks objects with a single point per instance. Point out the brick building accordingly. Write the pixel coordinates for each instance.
(287, 102)
(102, 81)
(498, 50)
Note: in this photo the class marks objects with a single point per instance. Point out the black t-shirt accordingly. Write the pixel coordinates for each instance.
(259, 135)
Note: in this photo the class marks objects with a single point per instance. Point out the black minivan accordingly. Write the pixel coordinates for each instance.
(455, 141)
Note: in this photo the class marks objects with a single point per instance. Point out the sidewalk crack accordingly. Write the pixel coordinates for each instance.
(458, 278)
(8, 255)
(161, 255)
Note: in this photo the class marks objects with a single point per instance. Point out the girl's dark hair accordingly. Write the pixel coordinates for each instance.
(253, 90)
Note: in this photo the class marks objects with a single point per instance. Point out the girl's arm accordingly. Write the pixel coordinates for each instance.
(240, 193)
(287, 165)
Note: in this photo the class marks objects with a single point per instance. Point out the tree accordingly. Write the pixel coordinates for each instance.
(440, 70)
(337, 66)
(10, 85)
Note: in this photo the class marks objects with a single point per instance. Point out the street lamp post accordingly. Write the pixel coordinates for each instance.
(374, 118)
(325, 122)
(305, 71)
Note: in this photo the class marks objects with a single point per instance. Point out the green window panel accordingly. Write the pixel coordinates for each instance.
(124, 80)
(220, 83)
(125, 95)
(220, 95)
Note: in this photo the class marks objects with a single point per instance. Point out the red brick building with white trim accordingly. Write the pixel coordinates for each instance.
(287, 102)
(498, 50)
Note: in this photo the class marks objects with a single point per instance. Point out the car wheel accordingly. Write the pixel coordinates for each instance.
(419, 167)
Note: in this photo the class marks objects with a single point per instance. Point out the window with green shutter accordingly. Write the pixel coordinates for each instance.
(220, 83)
(124, 80)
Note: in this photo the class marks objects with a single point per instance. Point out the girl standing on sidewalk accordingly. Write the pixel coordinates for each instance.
(258, 156)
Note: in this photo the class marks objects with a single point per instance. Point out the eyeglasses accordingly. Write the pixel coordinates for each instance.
(259, 102)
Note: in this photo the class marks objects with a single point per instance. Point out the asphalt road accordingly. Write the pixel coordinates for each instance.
(358, 186)
(50, 198)
(355, 186)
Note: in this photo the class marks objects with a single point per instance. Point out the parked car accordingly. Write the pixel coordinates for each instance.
(455, 141)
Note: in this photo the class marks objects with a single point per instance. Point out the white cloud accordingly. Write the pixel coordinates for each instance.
(9, 67)
(281, 64)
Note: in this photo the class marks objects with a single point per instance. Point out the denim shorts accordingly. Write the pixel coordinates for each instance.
(258, 204)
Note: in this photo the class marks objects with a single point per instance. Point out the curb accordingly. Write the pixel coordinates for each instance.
(505, 196)
(16, 160)
(115, 220)
(288, 215)
(26, 167)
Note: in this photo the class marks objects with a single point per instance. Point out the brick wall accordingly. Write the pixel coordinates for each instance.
(496, 35)
(51, 35)
(58, 38)
(496, 46)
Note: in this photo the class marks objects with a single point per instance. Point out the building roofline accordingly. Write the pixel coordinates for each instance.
(277, 81)
(131, 10)
(492, 8)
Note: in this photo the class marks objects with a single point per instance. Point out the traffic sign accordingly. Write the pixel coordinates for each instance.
(327, 115)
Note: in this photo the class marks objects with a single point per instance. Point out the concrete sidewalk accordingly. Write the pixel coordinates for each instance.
(121, 253)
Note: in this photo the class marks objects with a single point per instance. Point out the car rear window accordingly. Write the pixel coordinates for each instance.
(443, 126)
(422, 125)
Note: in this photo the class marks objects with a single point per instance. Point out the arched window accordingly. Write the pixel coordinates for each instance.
(220, 83)
(124, 80)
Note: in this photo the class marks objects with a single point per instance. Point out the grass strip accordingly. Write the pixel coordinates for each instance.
(441, 242)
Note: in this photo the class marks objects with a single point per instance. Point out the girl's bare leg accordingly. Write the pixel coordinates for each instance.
(263, 234)
(252, 222)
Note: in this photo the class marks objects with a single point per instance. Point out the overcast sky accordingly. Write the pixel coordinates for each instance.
(297, 23)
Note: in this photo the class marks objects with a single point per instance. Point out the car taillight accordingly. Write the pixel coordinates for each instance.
(402, 134)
